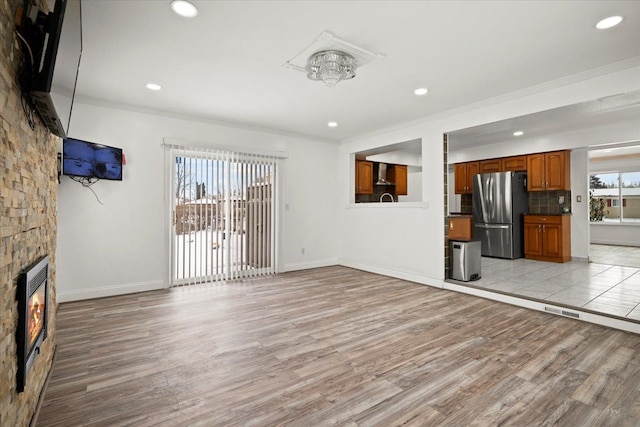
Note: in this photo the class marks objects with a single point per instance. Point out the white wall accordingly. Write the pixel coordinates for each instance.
(407, 241)
(120, 247)
(615, 234)
(580, 210)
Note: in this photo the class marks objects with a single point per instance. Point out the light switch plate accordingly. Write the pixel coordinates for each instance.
(578, 199)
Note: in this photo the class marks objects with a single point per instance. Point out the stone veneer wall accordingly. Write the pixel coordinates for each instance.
(28, 186)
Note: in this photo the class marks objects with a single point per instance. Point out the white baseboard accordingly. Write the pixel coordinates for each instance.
(106, 291)
(386, 271)
(615, 242)
(580, 259)
(312, 264)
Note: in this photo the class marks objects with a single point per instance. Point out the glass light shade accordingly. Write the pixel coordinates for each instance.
(331, 66)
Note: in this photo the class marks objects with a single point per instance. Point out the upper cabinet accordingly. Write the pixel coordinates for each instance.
(464, 173)
(397, 174)
(364, 177)
(549, 171)
(493, 165)
(545, 171)
(368, 173)
(504, 164)
(515, 164)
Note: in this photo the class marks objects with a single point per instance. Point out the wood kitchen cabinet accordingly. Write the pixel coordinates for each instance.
(397, 174)
(460, 228)
(364, 177)
(492, 165)
(463, 176)
(547, 237)
(515, 164)
(549, 171)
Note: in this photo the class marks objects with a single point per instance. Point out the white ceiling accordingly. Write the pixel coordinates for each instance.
(226, 64)
(599, 112)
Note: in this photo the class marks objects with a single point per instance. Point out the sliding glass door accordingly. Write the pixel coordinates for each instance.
(223, 215)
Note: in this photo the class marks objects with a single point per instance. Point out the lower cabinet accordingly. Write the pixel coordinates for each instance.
(460, 228)
(547, 237)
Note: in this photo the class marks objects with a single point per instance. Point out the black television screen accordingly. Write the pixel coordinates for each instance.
(55, 45)
(88, 160)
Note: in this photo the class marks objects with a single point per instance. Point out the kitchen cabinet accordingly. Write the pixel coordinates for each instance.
(547, 237)
(397, 174)
(463, 177)
(492, 165)
(364, 177)
(515, 164)
(549, 171)
(460, 228)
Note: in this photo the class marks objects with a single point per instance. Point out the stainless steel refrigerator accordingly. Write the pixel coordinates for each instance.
(500, 201)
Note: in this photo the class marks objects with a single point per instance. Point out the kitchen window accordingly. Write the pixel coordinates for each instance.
(615, 197)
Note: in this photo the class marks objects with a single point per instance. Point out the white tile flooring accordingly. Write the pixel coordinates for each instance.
(605, 288)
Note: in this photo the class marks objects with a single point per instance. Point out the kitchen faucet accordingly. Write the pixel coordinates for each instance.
(387, 194)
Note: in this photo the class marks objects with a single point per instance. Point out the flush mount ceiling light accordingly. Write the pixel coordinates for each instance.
(609, 22)
(184, 8)
(421, 91)
(332, 124)
(153, 86)
(331, 66)
(331, 59)
(518, 133)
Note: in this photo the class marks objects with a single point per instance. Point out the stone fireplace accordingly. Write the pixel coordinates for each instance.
(32, 317)
(28, 193)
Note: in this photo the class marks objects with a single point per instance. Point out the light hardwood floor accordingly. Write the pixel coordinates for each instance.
(334, 346)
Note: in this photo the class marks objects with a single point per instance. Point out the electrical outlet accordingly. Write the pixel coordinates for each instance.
(561, 200)
(302, 251)
(579, 199)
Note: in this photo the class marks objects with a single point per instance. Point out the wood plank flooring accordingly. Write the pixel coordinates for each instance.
(334, 346)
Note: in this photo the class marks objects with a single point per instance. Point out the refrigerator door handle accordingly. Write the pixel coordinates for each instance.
(492, 226)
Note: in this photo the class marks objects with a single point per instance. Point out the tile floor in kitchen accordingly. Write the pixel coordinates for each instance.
(610, 284)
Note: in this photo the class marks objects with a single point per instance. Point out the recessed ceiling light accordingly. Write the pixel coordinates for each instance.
(421, 91)
(609, 22)
(332, 124)
(153, 86)
(184, 8)
(518, 133)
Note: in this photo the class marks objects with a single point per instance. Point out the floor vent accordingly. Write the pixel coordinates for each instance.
(570, 314)
(562, 312)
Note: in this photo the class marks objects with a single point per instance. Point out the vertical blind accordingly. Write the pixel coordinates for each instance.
(223, 215)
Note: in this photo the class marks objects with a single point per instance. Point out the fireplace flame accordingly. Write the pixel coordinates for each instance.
(36, 310)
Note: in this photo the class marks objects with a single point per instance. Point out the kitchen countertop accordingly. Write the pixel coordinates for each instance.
(543, 214)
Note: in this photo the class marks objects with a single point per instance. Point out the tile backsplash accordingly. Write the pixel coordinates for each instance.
(540, 202)
(549, 202)
(466, 203)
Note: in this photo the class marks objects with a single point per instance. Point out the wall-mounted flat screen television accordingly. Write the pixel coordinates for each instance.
(89, 160)
(54, 47)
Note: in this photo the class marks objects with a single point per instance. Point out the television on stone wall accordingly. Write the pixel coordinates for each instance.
(52, 46)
